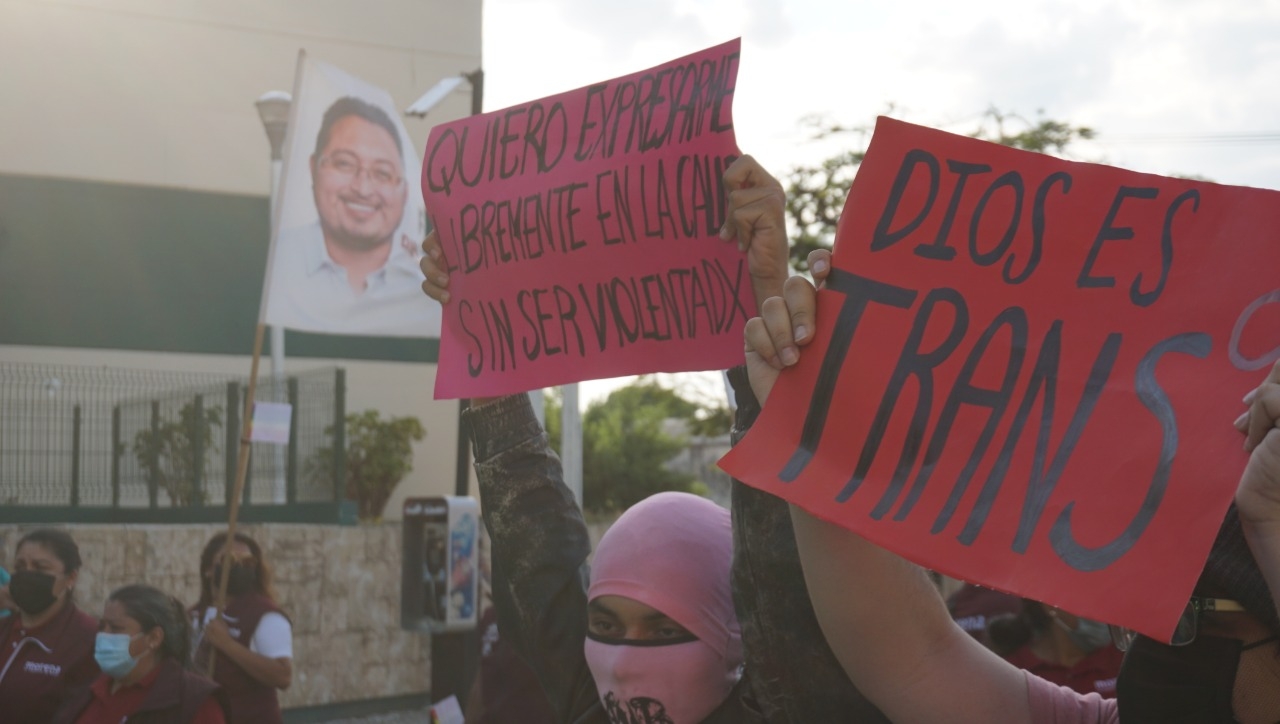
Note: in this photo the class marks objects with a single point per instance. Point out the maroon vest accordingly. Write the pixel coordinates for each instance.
(252, 702)
(173, 698)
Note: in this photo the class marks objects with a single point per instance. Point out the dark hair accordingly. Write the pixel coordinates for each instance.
(352, 106)
(1012, 631)
(153, 608)
(60, 543)
(1231, 572)
(211, 551)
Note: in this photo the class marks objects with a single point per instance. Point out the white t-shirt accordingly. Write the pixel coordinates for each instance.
(309, 291)
(273, 638)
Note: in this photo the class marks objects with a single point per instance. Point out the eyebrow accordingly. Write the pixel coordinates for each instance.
(597, 607)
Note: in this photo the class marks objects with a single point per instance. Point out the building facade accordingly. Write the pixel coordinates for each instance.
(134, 185)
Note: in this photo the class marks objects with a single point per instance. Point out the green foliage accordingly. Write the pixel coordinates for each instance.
(625, 446)
(553, 407)
(173, 451)
(626, 441)
(379, 454)
(816, 194)
(1043, 135)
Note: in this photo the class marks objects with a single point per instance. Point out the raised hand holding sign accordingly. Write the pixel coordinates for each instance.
(1022, 369)
(581, 232)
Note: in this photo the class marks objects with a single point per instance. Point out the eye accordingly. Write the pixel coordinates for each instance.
(603, 626)
(344, 165)
(384, 175)
(671, 630)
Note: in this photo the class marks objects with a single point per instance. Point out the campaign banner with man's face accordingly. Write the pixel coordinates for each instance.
(349, 218)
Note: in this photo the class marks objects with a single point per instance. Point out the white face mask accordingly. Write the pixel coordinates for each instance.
(659, 683)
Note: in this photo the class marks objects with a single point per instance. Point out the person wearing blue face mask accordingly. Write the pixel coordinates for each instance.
(6, 602)
(143, 647)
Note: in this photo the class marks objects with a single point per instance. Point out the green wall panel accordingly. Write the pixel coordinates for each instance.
(99, 265)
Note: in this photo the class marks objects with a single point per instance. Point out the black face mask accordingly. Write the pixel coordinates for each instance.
(241, 580)
(1170, 684)
(32, 591)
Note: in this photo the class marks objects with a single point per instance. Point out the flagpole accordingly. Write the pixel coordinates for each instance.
(242, 472)
(273, 109)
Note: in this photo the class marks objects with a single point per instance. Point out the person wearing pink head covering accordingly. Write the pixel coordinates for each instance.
(648, 633)
(663, 645)
(662, 634)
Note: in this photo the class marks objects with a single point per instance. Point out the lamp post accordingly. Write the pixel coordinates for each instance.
(273, 109)
(570, 414)
(419, 109)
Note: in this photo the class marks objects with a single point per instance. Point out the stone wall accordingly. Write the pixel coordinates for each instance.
(339, 585)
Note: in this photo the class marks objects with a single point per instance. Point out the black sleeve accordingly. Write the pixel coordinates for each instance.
(793, 673)
(539, 547)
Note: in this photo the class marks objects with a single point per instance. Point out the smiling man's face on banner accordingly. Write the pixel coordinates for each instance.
(359, 185)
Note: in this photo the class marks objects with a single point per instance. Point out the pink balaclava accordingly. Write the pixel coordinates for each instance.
(672, 552)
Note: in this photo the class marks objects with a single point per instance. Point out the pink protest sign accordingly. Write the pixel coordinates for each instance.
(1027, 369)
(581, 232)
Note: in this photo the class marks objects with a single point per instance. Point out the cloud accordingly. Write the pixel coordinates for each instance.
(630, 24)
(767, 24)
(1124, 67)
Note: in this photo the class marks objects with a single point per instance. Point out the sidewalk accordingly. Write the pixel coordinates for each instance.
(401, 717)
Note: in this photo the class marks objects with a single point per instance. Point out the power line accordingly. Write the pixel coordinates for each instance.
(1206, 139)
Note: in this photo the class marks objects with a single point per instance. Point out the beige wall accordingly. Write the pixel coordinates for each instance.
(161, 92)
(340, 587)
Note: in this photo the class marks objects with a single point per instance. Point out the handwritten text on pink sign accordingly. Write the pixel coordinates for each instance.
(580, 232)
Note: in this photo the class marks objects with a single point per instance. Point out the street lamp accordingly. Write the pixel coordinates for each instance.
(570, 415)
(419, 109)
(273, 109)
(441, 90)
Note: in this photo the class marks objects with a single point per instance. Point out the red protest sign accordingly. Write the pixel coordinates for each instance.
(1027, 371)
(581, 232)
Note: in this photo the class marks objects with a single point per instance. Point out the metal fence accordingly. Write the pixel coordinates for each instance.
(105, 444)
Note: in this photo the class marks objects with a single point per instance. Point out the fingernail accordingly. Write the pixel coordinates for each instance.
(819, 266)
(789, 356)
(434, 252)
(444, 297)
(724, 233)
(1250, 396)
(1241, 420)
(442, 280)
(801, 332)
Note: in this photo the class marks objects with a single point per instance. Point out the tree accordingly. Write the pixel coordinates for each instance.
(173, 451)
(379, 454)
(816, 194)
(627, 440)
(625, 447)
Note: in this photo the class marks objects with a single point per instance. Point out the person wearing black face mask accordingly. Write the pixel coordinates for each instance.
(252, 643)
(46, 645)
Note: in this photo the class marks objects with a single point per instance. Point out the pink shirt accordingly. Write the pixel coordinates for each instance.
(1053, 704)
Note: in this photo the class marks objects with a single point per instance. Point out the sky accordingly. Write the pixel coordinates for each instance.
(1186, 87)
